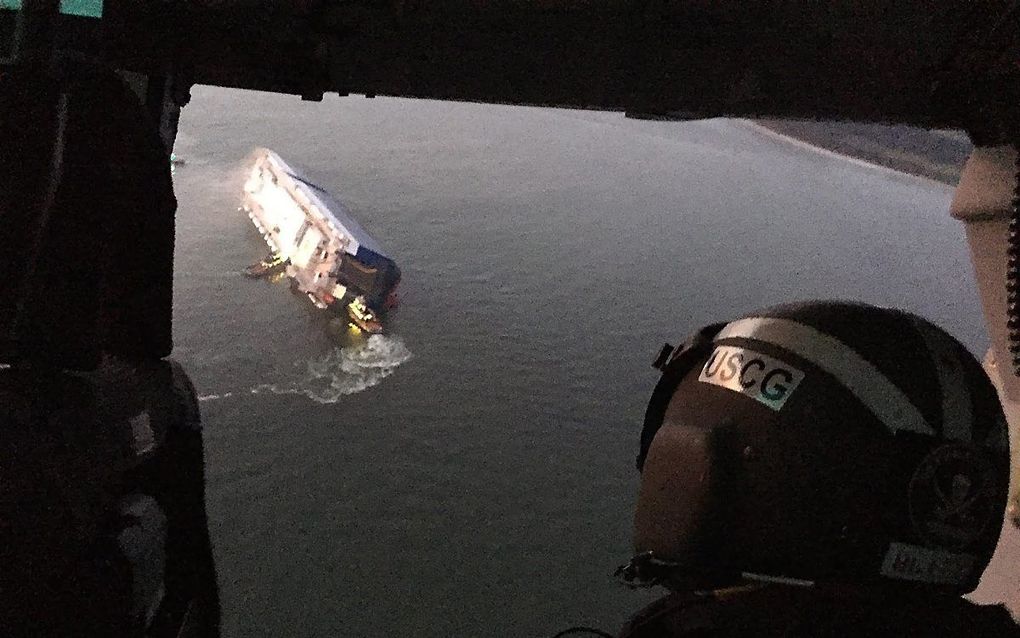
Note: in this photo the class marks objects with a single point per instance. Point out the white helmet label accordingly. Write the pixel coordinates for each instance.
(759, 376)
(926, 565)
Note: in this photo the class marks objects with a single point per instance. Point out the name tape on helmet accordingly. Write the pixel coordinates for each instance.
(926, 565)
(759, 376)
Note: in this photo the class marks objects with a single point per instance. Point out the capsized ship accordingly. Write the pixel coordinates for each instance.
(327, 255)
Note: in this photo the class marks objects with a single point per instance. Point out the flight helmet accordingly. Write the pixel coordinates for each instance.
(823, 442)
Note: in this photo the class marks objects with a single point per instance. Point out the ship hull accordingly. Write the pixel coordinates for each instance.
(327, 255)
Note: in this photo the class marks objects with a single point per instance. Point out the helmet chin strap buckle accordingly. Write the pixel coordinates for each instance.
(645, 570)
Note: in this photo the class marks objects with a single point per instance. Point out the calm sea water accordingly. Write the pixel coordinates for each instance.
(471, 474)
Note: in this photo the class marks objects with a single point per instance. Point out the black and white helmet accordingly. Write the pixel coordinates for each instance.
(824, 442)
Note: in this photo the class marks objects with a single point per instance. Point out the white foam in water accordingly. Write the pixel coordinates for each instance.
(346, 370)
(212, 397)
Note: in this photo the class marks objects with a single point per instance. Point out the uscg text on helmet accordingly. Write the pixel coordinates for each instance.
(759, 376)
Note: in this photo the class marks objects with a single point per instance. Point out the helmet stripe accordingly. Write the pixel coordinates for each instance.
(957, 408)
(866, 382)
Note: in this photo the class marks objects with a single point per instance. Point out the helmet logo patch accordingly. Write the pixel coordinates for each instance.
(952, 496)
(761, 377)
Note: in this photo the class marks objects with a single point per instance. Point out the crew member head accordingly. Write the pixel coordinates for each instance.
(87, 210)
(823, 443)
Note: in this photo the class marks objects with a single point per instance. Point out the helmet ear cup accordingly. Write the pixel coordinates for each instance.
(694, 349)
